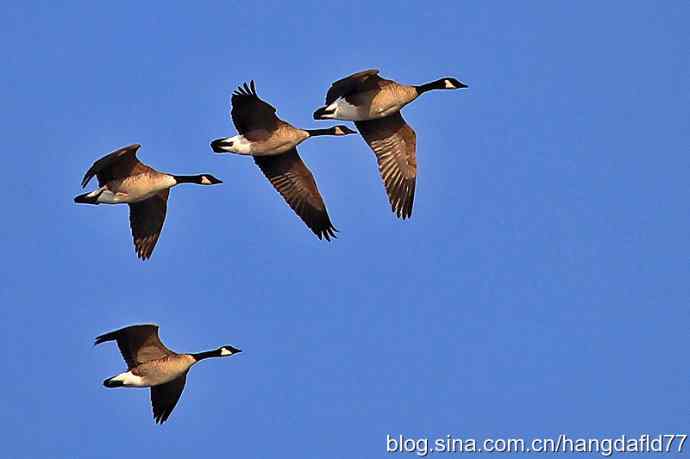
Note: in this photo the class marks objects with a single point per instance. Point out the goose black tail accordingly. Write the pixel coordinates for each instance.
(86, 199)
(319, 113)
(110, 383)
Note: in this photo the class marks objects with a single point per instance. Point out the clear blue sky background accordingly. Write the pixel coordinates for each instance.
(540, 287)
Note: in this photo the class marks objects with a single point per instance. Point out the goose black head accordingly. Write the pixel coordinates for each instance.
(201, 179)
(226, 351)
(341, 129)
(452, 83)
(208, 179)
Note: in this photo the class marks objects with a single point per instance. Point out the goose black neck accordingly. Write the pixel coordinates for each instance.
(187, 178)
(317, 132)
(205, 355)
(438, 84)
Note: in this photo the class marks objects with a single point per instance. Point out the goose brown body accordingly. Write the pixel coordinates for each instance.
(163, 370)
(283, 138)
(370, 95)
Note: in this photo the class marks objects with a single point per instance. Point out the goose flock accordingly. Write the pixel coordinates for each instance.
(370, 101)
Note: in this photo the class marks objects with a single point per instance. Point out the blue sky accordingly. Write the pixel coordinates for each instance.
(541, 286)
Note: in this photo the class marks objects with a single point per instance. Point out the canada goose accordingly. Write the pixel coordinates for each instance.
(374, 104)
(151, 364)
(272, 142)
(123, 179)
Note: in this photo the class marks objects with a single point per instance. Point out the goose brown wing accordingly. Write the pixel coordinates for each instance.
(164, 397)
(290, 176)
(137, 343)
(121, 163)
(394, 143)
(357, 82)
(249, 112)
(146, 220)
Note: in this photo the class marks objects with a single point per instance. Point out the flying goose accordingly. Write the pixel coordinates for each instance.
(374, 104)
(272, 142)
(151, 364)
(123, 179)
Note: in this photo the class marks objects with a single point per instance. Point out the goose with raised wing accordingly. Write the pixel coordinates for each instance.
(123, 179)
(151, 364)
(272, 143)
(374, 104)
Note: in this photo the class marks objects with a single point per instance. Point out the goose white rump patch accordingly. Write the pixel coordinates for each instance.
(108, 197)
(240, 145)
(346, 111)
(129, 379)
